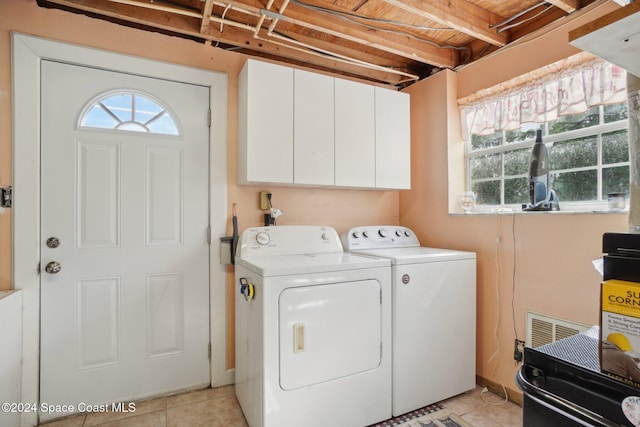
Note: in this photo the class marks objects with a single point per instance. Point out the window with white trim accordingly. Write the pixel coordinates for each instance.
(129, 110)
(586, 140)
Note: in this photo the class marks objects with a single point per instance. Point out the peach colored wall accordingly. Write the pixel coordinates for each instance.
(341, 209)
(553, 252)
(338, 208)
(553, 271)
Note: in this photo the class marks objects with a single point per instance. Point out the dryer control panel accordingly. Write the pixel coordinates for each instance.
(379, 236)
(287, 240)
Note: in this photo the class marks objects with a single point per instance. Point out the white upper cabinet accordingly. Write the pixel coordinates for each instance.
(301, 128)
(613, 37)
(265, 124)
(313, 129)
(355, 135)
(393, 139)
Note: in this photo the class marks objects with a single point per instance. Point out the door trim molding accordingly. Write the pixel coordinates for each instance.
(27, 53)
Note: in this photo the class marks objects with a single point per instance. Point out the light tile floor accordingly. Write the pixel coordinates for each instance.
(218, 407)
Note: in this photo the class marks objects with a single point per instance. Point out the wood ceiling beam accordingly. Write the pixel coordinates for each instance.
(401, 45)
(568, 6)
(207, 7)
(351, 52)
(191, 26)
(460, 15)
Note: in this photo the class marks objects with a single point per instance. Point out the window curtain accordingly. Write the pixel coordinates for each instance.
(571, 86)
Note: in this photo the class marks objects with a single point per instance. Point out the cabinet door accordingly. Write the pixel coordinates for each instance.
(393, 152)
(265, 124)
(355, 138)
(313, 129)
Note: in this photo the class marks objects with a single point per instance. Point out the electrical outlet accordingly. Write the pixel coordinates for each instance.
(264, 200)
(518, 350)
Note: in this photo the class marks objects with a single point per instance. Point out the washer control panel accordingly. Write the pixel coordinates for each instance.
(288, 239)
(379, 236)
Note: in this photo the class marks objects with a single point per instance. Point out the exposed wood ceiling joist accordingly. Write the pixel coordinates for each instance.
(394, 42)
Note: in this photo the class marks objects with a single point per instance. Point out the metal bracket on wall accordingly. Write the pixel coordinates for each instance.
(6, 197)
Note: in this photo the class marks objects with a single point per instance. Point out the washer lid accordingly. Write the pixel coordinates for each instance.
(418, 254)
(284, 265)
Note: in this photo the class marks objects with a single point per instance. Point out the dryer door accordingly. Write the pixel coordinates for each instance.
(329, 332)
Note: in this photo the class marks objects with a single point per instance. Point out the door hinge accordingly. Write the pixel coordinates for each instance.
(209, 118)
(209, 234)
(6, 196)
(209, 351)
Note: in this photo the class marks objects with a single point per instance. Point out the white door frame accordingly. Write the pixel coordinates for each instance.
(27, 52)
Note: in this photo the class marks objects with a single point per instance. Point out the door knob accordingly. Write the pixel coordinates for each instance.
(53, 242)
(53, 267)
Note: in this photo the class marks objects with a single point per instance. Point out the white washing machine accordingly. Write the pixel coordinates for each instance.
(313, 330)
(434, 315)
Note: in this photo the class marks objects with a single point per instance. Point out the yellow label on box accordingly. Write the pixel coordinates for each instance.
(620, 331)
(621, 297)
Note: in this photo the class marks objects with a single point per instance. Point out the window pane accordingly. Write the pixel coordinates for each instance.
(486, 141)
(574, 153)
(575, 121)
(132, 126)
(516, 190)
(615, 112)
(516, 162)
(97, 117)
(615, 147)
(575, 186)
(615, 180)
(121, 105)
(146, 109)
(487, 192)
(487, 166)
(164, 124)
(526, 132)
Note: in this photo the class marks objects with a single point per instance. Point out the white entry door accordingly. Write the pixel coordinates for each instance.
(124, 252)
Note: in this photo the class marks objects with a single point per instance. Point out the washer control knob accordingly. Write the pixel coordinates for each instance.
(383, 233)
(398, 233)
(262, 238)
(355, 234)
(365, 234)
(325, 236)
(407, 233)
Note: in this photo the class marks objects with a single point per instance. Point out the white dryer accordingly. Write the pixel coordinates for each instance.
(434, 315)
(313, 330)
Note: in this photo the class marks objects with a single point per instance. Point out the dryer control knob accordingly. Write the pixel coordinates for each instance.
(398, 233)
(383, 233)
(355, 234)
(365, 234)
(262, 238)
(407, 233)
(325, 236)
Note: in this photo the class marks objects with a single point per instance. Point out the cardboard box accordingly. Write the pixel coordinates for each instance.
(620, 330)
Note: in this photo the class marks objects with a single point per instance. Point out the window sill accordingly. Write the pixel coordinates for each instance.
(569, 209)
(520, 212)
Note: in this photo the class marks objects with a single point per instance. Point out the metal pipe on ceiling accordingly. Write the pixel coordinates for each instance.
(284, 5)
(262, 18)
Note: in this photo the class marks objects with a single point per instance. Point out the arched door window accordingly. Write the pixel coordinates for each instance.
(129, 111)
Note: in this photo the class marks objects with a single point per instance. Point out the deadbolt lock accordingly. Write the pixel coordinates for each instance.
(53, 242)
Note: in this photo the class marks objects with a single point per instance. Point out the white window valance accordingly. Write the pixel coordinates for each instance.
(570, 86)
